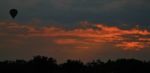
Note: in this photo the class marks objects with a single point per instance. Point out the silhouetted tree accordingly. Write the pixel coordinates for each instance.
(95, 67)
(73, 66)
(42, 64)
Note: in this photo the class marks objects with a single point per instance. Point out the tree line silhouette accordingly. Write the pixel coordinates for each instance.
(42, 64)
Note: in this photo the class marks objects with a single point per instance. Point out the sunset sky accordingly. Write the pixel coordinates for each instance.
(75, 29)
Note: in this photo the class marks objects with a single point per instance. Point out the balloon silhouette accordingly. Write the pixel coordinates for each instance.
(13, 13)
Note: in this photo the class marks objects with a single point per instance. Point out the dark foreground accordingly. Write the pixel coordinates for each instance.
(41, 64)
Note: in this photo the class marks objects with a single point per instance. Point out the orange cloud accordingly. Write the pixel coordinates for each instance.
(67, 41)
(87, 37)
(131, 45)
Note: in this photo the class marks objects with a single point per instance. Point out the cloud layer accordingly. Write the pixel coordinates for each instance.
(68, 12)
(87, 41)
(77, 29)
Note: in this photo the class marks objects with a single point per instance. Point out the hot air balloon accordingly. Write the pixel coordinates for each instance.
(13, 13)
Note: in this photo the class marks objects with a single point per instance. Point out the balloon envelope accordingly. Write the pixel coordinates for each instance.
(13, 13)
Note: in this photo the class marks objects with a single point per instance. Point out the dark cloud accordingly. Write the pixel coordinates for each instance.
(73, 11)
